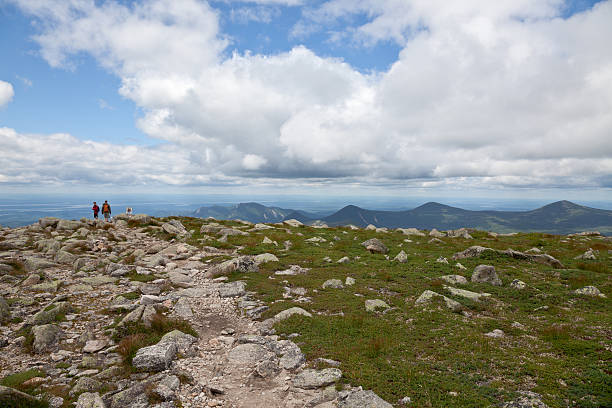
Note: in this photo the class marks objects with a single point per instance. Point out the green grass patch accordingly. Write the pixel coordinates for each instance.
(137, 277)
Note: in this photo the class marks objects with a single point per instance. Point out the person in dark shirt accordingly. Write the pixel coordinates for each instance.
(96, 210)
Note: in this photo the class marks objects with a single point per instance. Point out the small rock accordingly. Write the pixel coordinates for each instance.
(333, 284)
(496, 334)
(155, 358)
(589, 291)
(372, 304)
(486, 274)
(93, 346)
(349, 281)
(311, 379)
(401, 257)
(517, 284)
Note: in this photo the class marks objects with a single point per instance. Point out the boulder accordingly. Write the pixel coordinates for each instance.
(349, 281)
(363, 399)
(293, 270)
(589, 291)
(587, 256)
(263, 258)
(495, 334)
(466, 293)
(428, 295)
(182, 340)
(436, 234)
(48, 222)
(175, 227)
(90, 400)
(372, 304)
(311, 379)
(375, 245)
(93, 346)
(180, 279)
(454, 279)
(486, 274)
(232, 289)
(287, 313)
(50, 313)
(249, 354)
(459, 233)
(241, 264)
(411, 231)
(401, 257)
(476, 250)
(68, 225)
(517, 284)
(85, 384)
(5, 311)
(46, 337)
(293, 223)
(34, 264)
(155, 358)
(333, 284)
(10, 397)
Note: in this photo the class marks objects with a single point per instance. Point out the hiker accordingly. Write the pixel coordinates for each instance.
(128, 211)
(106, 210)
(96, 210)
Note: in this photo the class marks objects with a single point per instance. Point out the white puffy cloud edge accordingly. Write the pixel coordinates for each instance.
(483, 94)
(6, 93)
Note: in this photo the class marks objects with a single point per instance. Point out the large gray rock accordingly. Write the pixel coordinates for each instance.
(436, 234)
(48, 222)
(33, 263)
(476, 250)
(50, 313)
(375, 245)
(454, 279)
(428, 295)
(90, 400)
(182, 308)
(588, 255)
(232, 289)
(459, 233)
(46, 337)
(180, 279)
(155, 358)
(240, 264)
(287, 313)
(175, 227)
(69, 225)
(263, 258)
(486, 274)
(311, 379)
(589, 291)
(363, 399)
(293, 223)
(85, 384)
(15, 398)
(249, 354)
(5, 312)
(182, 340)
(411, 231)
(401, 257)
(332, 284)
(466, 293)
(64, 257)
(372, 304)
(132, 397)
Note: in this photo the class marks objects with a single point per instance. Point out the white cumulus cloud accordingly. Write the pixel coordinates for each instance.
(482, 93)
(6, 93)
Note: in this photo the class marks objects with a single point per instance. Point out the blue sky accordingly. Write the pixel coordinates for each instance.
(307, 96)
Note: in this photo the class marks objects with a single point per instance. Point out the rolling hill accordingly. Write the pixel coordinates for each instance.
(562, 217)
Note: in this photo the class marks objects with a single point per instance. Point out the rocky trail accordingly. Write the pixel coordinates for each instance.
(69, 288)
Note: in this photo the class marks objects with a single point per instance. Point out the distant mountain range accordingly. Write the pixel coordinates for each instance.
(561, 217)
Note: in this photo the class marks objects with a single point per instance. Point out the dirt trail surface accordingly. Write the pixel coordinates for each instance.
(84, 306)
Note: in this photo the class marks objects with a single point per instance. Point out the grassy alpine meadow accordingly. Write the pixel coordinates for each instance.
(556, 342)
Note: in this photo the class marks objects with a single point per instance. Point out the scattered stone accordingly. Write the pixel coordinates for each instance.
(436, 234)
(411, 231)
(442, 260)
(466, 293)
(180, 278)
(349, 281)
(293, 270)
(476, 250)
(155, 358)
(332, 284)
(34, 264)
(496, 334)
(85, 384)
(587, 256)
(344, 260)
(232, 289)
(372, 304)
(311, 379)
(263, 258)
(401, 257)
(11, 397)
(365, 399)
(293, 223)
(428, 295)
(5, 311)
(486, 274)
(249, 354)
(454, 279)
(46, 337)
(517, 284)
(459, 233)
(285, 314)
(375, 246)
(589, 291)
(93, 346)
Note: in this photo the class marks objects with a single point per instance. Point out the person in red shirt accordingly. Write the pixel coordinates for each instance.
(96, 210)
